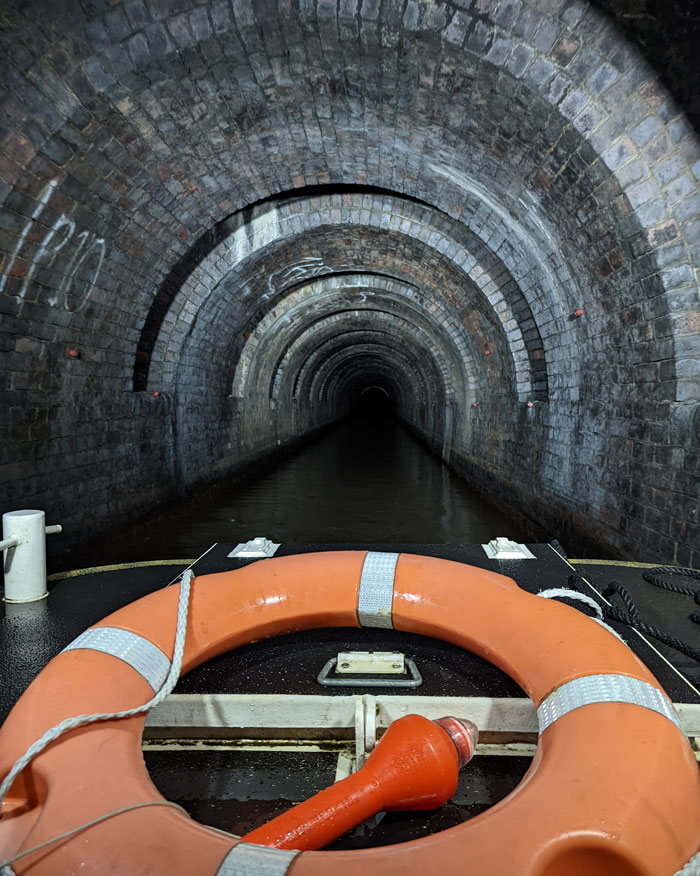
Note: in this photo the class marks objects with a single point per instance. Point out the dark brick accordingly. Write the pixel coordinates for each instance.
(151, 147)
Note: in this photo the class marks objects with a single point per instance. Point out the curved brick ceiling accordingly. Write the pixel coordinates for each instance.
(667, 35)
(255, 209)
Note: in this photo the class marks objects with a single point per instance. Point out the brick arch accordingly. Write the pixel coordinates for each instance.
(310, 225)
(289, 327)
(146, 126)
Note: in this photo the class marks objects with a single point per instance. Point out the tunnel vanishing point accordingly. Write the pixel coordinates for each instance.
(223, 221)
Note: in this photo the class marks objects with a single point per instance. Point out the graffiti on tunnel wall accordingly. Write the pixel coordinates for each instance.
(73, 257)
(305, 268)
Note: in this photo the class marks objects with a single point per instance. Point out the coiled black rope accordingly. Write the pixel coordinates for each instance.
(630, 614)
(558, 548)
(653, 576)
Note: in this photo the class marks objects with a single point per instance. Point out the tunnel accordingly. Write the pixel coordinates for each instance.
(373, 402)
(228, 226)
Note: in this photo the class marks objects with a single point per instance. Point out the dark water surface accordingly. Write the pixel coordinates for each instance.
(368, 480)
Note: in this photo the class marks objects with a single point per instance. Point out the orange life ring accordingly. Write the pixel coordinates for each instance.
(613, 790)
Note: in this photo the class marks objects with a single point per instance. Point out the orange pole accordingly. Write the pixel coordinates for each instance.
(415, 765)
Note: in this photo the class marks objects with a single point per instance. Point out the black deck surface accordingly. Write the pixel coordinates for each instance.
(235, 789)
(659, 608)
(448, 671)
(30, 635)
(239, 790)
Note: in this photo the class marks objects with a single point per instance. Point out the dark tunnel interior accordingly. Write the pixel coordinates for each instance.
(228, 226)
(373, 402)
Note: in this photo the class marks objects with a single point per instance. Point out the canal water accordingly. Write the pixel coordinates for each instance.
(368, 480)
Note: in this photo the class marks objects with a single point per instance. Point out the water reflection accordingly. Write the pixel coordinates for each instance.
(368, 480)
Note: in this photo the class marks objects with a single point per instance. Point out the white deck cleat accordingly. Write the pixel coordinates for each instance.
(255, 549)
(504, 549)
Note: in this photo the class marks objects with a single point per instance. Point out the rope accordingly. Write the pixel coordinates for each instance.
(68, 724)
(558, 548)
(632, 618)
(692, 868)
(565, 593)
(6, 869)
(653, 577)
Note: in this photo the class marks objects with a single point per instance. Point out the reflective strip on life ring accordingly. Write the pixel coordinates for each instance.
(610, 688)
(613, 789)
(376, 594)
(142, 655)
(247, 859)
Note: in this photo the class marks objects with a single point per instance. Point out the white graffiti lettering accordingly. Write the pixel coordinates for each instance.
(80, 263)
(83, 270)
(311, 266)
(46, 194)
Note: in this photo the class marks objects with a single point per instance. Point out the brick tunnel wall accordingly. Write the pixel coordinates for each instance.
(240, 215)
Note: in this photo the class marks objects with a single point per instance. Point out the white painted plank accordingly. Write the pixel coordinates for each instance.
(291, 712)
